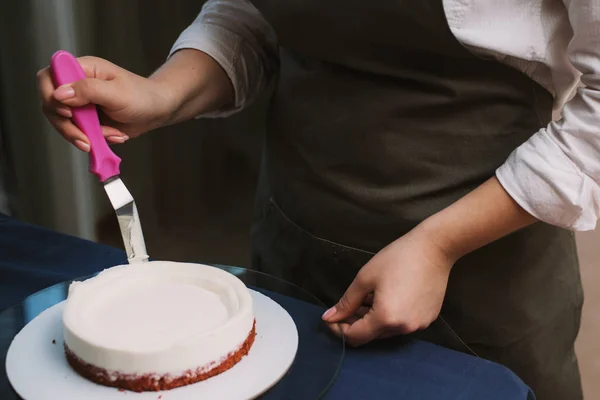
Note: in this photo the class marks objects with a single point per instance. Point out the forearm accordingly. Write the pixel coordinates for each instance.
(481, 217)
(192, 83)
(222, 62)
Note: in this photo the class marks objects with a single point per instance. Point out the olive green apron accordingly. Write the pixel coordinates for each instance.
(381, 118)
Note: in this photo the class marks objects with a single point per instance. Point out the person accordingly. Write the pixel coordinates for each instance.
(413, 176)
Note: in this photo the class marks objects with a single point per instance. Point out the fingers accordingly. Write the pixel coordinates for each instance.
(89, 90)
(74, 135)
(114, 135)
(58, 114)
(367, 325)
(69, 131)
(350, 302)
(49, 103)
(82, 146)
(375, 321)
(360, 313)
(362, 330)
(64, 111)
(388, 334)
(99, 68)
(97, 88)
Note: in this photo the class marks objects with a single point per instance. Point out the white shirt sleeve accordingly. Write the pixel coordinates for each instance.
(236, 35)
(555, 175)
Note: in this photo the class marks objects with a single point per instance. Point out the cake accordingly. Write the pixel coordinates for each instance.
(157, 325)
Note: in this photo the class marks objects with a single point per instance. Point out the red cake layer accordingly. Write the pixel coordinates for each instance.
(149, 382)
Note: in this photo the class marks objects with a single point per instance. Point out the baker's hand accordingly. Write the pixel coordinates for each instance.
(129, 104)
(398, 291)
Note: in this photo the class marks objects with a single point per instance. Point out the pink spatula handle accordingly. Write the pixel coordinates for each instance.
(103, 162)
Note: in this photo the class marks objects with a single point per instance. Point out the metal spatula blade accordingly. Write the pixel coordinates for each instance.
(129, 220)
(103, 162)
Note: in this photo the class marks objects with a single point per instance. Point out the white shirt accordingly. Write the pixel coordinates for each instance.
(555, 175)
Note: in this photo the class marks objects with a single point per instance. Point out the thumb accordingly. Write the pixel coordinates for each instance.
(89, 90)
(350, 302)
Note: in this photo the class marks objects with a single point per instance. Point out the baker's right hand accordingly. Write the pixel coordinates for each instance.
(129, 104)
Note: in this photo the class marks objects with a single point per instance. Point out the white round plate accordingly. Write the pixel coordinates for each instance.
(38, 370)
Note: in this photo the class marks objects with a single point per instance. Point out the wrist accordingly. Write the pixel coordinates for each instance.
(166, 100)
(438, 237)
(479, 218)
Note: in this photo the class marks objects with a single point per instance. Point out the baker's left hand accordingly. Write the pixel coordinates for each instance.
(399, 291)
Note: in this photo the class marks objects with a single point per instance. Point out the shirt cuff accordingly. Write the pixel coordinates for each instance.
(546, 183)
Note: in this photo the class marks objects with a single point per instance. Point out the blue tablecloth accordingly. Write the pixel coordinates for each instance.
(32, 259)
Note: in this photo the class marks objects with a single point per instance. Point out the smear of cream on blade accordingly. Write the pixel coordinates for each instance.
(129, 221)
(134, 238)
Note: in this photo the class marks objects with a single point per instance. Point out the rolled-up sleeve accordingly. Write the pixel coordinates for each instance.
(236, 35)
(555, 175)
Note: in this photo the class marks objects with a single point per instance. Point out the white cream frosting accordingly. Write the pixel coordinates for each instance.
(161, 318)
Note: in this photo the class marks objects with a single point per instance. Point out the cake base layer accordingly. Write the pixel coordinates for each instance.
(151, 382)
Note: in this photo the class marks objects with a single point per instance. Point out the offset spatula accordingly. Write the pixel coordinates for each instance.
(103, 162)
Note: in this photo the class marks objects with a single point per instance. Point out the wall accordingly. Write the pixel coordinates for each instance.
(588, 343)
